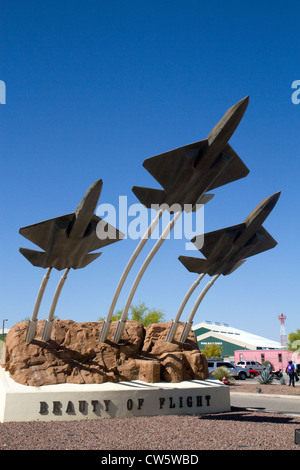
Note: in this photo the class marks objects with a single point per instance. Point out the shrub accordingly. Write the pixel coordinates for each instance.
(265, 377)
(221, 372)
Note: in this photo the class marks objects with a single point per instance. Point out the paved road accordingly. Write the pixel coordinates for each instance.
(279, 404)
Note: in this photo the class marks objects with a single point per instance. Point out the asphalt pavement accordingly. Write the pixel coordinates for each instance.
(281, 404)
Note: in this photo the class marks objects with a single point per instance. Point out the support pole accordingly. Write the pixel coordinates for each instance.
(49, 322)
(188, 324)
(107, 323)
(122, 321)
(33, 321)
(175, 323)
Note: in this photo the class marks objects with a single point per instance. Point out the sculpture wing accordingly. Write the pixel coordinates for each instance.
(166, 167)
(199, 266)
(101, 233)
(89, 258)
(234, 170)
(37, 258)
(266, 242)
(194, 265)
(222, 239)
(40, 233)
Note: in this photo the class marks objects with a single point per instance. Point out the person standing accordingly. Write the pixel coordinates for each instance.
(296, 372)
(290, 370)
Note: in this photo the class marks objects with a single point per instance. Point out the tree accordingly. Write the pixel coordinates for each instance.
(153, 316)
(294, 341)
(140, 313)
(212, 350)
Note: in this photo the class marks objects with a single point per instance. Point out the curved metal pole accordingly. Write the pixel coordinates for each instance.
(188, 324)
(107, 322)
(49, 322)
(175, 323)
(33, 321)
(122, 321)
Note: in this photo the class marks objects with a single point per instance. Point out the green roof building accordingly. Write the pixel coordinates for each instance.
(230, 339)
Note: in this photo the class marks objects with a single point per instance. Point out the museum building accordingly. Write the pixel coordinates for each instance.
(231, 339)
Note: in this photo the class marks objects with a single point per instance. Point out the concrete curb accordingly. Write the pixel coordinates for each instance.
(270, 395)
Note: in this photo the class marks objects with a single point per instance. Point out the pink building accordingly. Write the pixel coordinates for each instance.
(278, 357)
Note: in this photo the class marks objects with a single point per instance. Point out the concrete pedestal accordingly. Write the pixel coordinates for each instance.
(64, 402)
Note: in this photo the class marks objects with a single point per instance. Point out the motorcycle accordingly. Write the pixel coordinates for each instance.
(277, 374)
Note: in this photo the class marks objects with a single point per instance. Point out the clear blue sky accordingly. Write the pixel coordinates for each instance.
(93, 88)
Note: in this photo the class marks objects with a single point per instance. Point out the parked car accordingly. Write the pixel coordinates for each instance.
(254, 365)
(237, 372)
(253, 373)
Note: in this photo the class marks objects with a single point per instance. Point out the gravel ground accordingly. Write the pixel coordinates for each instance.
(236, 430)
(239, 429)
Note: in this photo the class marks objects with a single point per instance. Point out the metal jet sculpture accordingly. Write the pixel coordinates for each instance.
(225, 251)
(188, 172)
(185, 174)
(224, 248)
(67, 242)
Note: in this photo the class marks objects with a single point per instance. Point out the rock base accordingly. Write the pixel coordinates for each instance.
(74, 355)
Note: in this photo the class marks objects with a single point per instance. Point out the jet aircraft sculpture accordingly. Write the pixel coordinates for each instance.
(185, 174)
(188, 172)
(224, 248)
(225, 251)
(67, 241)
